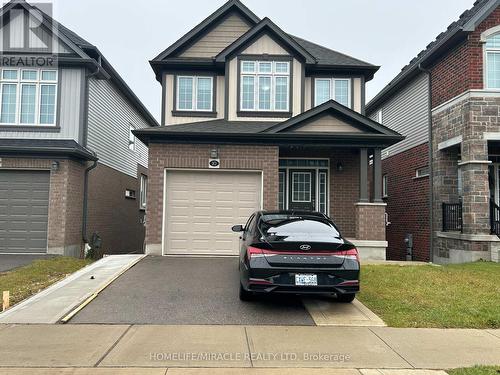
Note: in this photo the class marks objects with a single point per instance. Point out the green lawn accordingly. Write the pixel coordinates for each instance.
(25, 281)
(453, 296)
(477, 370)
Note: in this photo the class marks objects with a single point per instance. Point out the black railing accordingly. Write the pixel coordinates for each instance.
(494, 218)
(452, 217)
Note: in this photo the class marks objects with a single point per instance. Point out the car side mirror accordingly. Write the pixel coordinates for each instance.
(237, 228)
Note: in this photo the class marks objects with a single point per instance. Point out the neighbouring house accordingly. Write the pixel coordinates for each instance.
(255, 118)
(446, 102)
(70, 165)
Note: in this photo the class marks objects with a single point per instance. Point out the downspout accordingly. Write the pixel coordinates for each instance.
(431, 168)
(85, 199)
(94, 164)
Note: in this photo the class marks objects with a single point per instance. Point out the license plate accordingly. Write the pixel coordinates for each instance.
(306, 280)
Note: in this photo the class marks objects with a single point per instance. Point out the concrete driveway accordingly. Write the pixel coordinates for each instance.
(170, 290)
(11, 261)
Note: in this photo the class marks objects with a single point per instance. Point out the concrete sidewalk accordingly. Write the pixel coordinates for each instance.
(162, 347)
(51, 304)
(212, 371)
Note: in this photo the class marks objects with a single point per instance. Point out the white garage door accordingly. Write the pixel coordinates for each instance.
(201, 207)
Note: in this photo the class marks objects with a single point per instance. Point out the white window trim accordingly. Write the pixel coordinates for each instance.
(418, 173)
(194, 99)
(256, 75)
(19, 82)
(385, 186)
(380, 116)
(143, 192)
(332, 89)
(132, 140)
(484, 36)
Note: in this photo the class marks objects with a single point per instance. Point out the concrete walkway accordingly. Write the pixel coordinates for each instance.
(162, 347)
(327, 313)
(51, 304)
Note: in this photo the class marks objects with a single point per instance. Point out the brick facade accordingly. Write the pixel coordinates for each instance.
(196, 156)
(117, 220)
(462, 68)
(65, 201)
(344, 184)
(407, 203)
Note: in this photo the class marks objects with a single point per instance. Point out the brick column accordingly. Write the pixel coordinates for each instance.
(370, 221)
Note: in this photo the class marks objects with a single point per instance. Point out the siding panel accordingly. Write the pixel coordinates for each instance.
(109, 119)
(219, 38)
(407, 113)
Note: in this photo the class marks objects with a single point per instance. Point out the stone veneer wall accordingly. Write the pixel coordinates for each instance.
(470, 118)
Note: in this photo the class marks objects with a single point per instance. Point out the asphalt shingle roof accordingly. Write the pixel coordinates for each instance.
(46, 145)
(454, 27)
(326, 56)
(219, 126)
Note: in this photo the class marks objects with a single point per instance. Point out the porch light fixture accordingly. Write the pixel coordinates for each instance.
(340, 166)
(55, 165)
(214, 153)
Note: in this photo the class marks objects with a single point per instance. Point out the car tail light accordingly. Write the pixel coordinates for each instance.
(351, 254)
(254, 252)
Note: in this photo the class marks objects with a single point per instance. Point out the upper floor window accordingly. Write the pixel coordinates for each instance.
(28, 96)
(492, 63)
(338, 89)
(195, 93)
(265, 86)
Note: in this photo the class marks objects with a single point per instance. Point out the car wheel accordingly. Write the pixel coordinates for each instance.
(245, 295)
(346, 298)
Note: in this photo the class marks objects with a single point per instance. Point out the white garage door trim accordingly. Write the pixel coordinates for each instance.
(164, 224)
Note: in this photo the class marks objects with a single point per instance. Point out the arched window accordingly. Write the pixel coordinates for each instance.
(492, 59)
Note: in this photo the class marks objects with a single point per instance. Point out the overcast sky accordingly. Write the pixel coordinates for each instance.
(388, 33)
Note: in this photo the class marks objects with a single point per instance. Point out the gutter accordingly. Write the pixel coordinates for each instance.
(431, 168)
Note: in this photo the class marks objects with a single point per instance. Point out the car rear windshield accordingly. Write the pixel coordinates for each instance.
(305, 227)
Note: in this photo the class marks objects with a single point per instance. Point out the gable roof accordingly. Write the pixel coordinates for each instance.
(231, 5)
(337, 110)
(89, 53)
(455, 32)
(265, 26)
(318, 56)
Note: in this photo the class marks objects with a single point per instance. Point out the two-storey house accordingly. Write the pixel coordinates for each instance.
(70, 166)
(255, 118)
(446, 102)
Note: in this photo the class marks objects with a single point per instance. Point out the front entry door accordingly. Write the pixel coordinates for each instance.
(302, 189)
